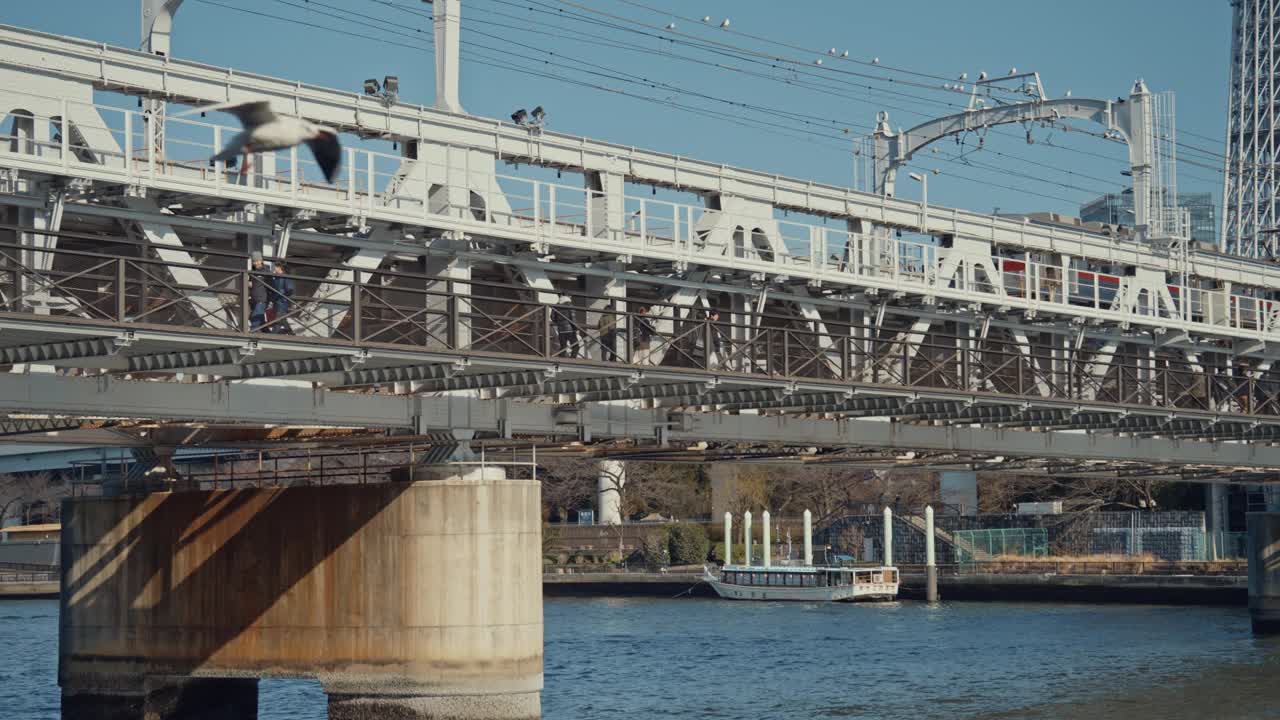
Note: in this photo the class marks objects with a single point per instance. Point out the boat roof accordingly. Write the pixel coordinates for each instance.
(806, 568)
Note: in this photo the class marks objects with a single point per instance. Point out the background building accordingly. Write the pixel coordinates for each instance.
(1117, 209)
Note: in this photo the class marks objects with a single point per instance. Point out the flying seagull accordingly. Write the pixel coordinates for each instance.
(264, 130)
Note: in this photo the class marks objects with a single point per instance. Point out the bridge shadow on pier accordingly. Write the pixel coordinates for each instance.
(173, 583)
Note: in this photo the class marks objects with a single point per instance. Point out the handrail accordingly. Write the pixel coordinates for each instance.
(1241, 315)
(427, 312)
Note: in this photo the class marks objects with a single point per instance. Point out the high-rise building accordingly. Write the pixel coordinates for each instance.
(1117, 209)
(1251, 216)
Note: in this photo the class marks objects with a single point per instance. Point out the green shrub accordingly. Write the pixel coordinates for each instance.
(739, 553)
(687, 544)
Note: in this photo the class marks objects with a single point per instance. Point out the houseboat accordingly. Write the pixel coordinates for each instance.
(800, 582)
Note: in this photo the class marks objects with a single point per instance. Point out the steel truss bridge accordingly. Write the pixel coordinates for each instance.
(445, 291)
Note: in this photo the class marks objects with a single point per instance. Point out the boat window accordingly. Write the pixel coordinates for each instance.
(809, 580)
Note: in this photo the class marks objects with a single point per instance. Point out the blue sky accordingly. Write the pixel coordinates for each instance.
(1095, 48)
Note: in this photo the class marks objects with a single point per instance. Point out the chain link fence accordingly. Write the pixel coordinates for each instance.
(1164, 535)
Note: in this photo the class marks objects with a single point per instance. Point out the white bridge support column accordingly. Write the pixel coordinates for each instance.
(610, 481)
(888, 536)
(728, 539)
(746, 538)
(808, 538)
(1215, 519)
(930, 562)
(765, 540)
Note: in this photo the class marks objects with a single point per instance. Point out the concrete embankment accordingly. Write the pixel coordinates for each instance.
(28, 590)
(1163, 589)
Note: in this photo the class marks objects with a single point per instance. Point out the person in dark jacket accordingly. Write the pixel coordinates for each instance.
(562, 325)
(282, 289)
(607, 330)
(259, 282)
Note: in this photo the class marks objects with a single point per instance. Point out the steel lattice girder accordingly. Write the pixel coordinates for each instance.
(64, 350)
(103, 397)
(24, 426)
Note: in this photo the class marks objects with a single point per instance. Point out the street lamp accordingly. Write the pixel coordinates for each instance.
(923, 179)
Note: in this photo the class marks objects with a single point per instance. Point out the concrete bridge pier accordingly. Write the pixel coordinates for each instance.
(1264, 572)
(414, 600)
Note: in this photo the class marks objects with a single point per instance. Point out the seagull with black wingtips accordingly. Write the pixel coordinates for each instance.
(265, 130)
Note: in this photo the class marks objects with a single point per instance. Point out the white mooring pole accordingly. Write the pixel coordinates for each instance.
(888, 537)
(808, 538)
(746, 536)
(728, 539)
(764, 517)
(930, 563)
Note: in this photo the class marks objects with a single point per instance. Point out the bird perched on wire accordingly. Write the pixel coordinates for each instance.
(264, 130)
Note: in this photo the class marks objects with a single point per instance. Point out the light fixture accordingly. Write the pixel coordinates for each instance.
(671, 26)
(724, 24)
(371, 87)
(391, 84)
(539, 115)
(519, 117)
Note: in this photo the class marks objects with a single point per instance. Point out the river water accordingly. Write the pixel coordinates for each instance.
(691, 658)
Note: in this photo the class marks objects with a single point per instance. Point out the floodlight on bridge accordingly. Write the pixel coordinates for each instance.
(519, 117)
(371, 87)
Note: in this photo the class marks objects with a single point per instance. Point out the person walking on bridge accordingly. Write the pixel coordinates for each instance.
(562, 324)
(259, 282)
(282, 289)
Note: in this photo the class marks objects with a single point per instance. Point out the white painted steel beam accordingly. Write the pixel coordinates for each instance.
(169, 247)
(112, 68)
(220, 402)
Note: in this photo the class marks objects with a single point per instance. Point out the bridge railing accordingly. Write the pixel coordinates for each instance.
(114, 142)
(118, 283)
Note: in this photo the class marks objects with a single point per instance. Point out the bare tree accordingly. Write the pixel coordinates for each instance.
(1000, 492)
(829, 491)
(567, 483)
(17, 492)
